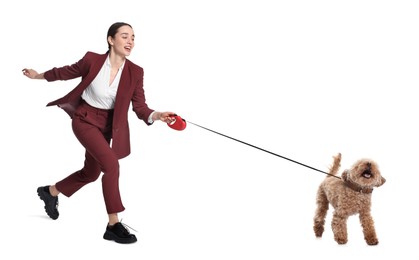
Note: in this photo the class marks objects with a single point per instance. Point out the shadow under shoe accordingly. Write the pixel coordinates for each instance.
(119, 233)
(51, 202)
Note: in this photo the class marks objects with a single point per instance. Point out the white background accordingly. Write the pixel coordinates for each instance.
(303, 79)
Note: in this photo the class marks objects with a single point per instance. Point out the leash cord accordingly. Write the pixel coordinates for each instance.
(283, 157)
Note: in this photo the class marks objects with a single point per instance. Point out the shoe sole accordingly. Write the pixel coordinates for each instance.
(113, 237)
(42, 196)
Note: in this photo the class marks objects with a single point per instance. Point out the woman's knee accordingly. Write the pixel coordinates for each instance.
(90, 176)
(111, 167)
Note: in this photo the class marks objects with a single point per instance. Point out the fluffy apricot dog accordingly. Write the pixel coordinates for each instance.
(349, 195)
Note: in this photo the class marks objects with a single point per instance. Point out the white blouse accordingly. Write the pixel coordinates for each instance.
(101, 93)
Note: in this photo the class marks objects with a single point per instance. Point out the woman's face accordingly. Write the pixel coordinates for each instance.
(123, 42)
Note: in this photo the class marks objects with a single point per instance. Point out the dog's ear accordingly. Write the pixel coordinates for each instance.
(345, 175)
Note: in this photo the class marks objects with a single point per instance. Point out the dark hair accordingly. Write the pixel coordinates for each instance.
(113, 30)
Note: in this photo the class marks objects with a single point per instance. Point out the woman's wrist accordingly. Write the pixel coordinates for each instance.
(40, 76)
(156, 116)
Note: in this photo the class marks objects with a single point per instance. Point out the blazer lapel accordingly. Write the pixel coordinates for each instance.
(124, 88)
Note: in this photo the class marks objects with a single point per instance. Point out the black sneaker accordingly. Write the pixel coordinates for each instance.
(51, 202)
(119, 233)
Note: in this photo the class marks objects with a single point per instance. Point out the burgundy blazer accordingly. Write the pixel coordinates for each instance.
(130, 89)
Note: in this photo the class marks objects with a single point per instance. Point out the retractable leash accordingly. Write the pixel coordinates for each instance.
(180, 124)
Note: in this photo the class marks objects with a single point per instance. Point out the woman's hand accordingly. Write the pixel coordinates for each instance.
(32, 74)
(167, 117)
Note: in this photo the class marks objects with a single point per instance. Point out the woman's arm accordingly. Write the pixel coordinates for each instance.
(75, 70)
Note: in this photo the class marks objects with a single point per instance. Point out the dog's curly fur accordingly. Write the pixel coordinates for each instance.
(349, 195)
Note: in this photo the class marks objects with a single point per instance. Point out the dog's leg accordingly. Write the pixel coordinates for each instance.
(368, 228)
(321, 211)
(339, 228)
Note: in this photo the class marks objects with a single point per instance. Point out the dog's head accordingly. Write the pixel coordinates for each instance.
(365, 173)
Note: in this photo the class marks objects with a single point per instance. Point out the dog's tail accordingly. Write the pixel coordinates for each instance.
(333, 170)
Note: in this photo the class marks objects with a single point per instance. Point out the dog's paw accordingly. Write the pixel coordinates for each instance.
(318, 230)
(341, 241)
(372, 241)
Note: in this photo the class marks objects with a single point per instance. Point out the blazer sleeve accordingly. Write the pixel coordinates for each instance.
(75, 70)
(139, 104)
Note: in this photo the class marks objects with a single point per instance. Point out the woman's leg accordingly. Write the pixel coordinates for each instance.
(92, 128)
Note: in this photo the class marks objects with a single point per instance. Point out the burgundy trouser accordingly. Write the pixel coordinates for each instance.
(93, 128)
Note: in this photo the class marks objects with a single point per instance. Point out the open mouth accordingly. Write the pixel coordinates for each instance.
(367, 174)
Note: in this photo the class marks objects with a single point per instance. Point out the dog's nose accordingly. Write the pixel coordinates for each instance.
(369, 165)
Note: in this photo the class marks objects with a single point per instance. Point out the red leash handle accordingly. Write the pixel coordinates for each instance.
(179, 123)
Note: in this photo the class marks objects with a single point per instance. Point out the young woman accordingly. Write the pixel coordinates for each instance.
(99, 106)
